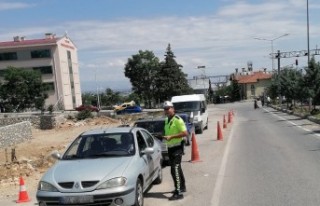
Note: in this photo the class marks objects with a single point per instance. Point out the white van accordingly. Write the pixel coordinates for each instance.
(195, 106)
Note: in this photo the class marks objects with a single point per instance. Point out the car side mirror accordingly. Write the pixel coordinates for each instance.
(56, 155)
(148, 150)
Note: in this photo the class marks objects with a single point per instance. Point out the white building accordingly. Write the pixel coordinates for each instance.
(56, 58)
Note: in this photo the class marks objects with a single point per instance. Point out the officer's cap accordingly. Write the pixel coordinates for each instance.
(167, 104)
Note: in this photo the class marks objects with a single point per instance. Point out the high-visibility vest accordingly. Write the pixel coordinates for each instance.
(175, 126)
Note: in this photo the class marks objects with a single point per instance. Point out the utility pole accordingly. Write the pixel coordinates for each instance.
(308, 32)
(279, 81)
(97, 89)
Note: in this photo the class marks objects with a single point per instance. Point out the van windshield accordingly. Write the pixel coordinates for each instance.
(186, 106)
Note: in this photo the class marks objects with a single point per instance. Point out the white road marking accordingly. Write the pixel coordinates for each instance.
(282, 118)
(221, 174)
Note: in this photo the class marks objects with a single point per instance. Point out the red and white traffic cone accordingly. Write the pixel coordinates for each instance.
(23, 195)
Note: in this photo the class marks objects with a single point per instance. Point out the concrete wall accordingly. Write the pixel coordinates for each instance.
(16, 133)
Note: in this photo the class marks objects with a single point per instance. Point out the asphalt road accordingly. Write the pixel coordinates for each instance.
(265, 158)
(274, 159)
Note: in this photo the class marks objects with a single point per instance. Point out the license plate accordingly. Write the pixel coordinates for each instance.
(76, 199)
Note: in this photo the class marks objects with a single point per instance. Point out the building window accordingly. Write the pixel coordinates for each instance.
(44, 69)
(8, 56)
(69, 54)
(48, 86)
(253, 91)
(45, 53)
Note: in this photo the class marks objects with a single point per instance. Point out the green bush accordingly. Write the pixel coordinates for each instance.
(84, 115)
(50, 108)
(70, 117)
(315, 112)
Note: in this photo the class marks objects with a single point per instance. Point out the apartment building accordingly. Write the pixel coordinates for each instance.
(57, 60)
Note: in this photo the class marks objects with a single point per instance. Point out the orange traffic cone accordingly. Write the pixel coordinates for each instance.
(224, 122)
(195, 157)
(23, 195)
(229, 117)
(219, 132)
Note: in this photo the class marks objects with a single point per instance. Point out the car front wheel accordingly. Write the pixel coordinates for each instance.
(139, 194)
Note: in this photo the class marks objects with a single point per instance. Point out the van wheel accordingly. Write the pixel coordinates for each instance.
(200, 131)
(206, 127)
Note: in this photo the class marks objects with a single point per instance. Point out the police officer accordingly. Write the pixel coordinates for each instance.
(174, 131)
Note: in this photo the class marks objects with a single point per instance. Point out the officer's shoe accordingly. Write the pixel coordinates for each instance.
(176, 196)
(183, 190)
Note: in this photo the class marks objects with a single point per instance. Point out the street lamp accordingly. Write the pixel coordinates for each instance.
(97, 89)
(271, 41)
(308, 31)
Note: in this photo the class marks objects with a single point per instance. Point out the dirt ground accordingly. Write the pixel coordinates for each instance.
(33, 157)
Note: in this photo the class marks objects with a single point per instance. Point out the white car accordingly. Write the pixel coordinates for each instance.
(112, 166)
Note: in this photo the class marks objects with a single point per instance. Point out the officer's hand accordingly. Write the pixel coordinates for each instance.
(167, 137)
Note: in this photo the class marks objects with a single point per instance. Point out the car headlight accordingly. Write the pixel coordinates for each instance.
(115, 182)
(45, 186)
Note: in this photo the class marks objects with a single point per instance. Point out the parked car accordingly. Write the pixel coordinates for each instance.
(155, 127)
(111, 166)
(91, 108)
(130, 109)
(124, 105)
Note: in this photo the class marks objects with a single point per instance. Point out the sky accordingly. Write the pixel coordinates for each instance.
(219, 34)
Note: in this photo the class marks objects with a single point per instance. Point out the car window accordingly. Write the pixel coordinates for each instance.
(141, 142)
(148, 137)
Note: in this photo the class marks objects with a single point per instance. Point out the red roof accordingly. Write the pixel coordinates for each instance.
(253, 77)
(29, 42)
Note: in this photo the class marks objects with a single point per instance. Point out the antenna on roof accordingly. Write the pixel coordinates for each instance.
(66, 33)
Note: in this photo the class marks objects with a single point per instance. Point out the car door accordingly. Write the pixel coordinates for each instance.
(146, 161)
(156, 161)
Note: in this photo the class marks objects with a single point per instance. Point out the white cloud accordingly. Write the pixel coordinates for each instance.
(14, 5)
(222, 41)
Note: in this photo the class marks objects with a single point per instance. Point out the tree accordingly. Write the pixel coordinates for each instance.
(170, 80)
(235, 91)
(210, 92)
(290, 84)
(142, 69)
(273, 88)
(312, 81)
(111, 97)
(22, 89)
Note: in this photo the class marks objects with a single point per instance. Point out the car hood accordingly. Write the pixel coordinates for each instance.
(87, 169)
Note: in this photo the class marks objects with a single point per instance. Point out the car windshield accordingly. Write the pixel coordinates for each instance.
(101, 145)
(186, 106)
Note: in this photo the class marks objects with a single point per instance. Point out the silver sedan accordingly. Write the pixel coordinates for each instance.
(112, 166)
